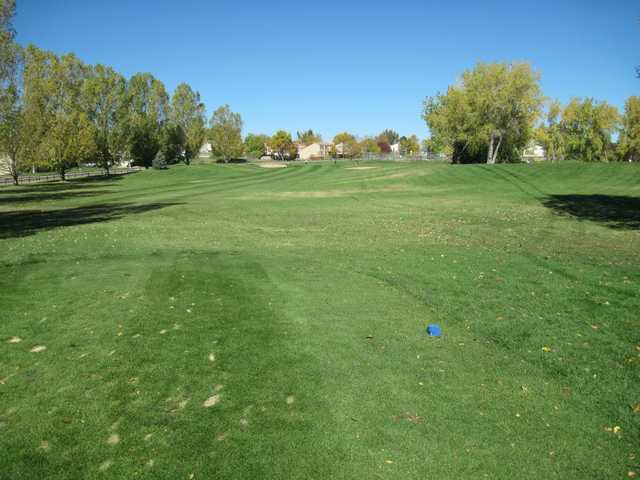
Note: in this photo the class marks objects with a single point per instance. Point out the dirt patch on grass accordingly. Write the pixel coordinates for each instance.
(211, 401)
(326, 193)
(272, 165)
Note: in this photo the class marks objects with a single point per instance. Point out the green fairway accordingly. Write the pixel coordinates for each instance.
(239, 322)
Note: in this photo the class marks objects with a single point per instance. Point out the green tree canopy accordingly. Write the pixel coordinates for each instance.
(308, 137)
(226, 134)
(346, 145)
(283, 146)
(62, 134)
(629, 143)
(187, 112)
(490, 112)
(550, 135)
(13, 135)
(409, 145)
(587, 126)
(148, 107)
(369, 145)
(255, 145)
(388, 136)
(104, 99)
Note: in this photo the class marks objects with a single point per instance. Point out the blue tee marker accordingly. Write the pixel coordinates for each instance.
(433, 330)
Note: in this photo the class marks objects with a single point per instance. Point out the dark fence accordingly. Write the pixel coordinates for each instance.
(52, 177)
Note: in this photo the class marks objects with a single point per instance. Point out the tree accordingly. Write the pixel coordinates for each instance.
(159, 162)
(226, 134)
(369, 145)
(346, 145)
(187, 111)
(490, 113)
(172, 143)
(148, 107)
(283, 146)
(255, 145)
(13, 135)
(389, 136)
(586, 128)
(550, 135)
(105, 101)
(308, 137)
(62, 135)
(435, 145)
(629, 142)
(409, 145)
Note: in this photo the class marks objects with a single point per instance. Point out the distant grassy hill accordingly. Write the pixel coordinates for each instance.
(236, 322)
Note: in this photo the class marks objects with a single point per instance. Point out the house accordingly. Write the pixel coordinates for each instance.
(205, 150)
(4, 165)
(395, 148)
(534, 153)
(315, 151)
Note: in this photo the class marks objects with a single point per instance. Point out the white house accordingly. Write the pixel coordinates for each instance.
(205, 150)
(315, 151)
(4, 164)
(395, 148)
(534, 153)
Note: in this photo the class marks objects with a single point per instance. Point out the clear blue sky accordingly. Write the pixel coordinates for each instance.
(360, 66)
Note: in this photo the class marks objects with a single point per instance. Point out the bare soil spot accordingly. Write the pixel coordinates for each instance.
(44, 446)
(291, 399)
(211, 401)
(273, 165)
(106, 465)
(14, 340)
(38, 348)
(212, 357)
(221, 436)
(113, 439)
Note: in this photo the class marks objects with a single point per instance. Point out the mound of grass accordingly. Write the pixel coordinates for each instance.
(230, 321)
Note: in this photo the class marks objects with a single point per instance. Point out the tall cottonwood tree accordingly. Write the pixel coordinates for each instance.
(629, 142)
(13, 135)
(188, 113)
(490, 112)
(148, 105)
(587, 126)
(105, 101)
(225, 134)
(61, 135)
(550, 132)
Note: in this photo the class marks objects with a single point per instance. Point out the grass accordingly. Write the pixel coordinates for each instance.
(300, 297)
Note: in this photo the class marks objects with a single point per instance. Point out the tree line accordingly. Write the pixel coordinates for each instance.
(57, 112)
(497, 110)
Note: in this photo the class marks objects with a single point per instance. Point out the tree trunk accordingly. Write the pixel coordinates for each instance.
(62, 174)
(490, 151)
(497, 149)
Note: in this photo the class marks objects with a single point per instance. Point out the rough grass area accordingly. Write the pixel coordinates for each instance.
(235, 322)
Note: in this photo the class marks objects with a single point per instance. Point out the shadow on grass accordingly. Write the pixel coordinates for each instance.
(80, 187)
(614, 211)
(21, 223)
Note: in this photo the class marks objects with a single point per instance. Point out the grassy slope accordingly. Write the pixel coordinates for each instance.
(282, 275)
